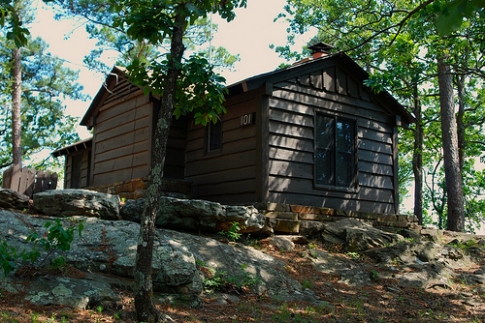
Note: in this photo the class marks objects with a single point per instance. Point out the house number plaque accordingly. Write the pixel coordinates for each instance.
(247, 119)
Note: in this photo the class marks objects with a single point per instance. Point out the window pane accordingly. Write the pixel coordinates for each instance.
(345, 136)
(345, 169)
(325, 132)
(324, 167)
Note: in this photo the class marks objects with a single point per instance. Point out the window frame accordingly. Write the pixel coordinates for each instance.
(354, 183)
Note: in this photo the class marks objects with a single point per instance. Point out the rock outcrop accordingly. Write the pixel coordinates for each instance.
(109, 248)
(71, 202)
(10, 199)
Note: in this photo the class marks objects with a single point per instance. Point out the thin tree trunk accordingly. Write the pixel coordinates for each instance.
(460, 84)
(143, 288)
(16, 112)
(451, 159)
(418, 159)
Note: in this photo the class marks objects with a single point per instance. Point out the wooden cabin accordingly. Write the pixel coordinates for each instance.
(311, 134)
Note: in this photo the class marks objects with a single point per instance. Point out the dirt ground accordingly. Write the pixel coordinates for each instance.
(382, 301)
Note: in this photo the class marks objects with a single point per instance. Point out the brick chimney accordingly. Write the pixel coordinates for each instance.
(320, 50)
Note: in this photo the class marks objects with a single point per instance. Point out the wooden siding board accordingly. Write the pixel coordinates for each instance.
(214, 164)
(113, 143)
(380, 137)
(290, 155)
(121, 151)
(139, 171)
(281, 129)
(290, 143)
(106, 113)
(296, 186)
(370, 156)
(291, 118)
(374, 168)
(239, 134)
(291, 169)
(135, 113)
(247, 144)
(375, 146)
(353, 106)
(113, 165)
(227, 176)
(217, 188)
(376, 181)
(116, 176)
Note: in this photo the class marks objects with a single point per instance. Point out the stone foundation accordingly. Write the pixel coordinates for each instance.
(299, 219)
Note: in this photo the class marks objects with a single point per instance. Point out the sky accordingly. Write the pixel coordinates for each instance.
(249, 35)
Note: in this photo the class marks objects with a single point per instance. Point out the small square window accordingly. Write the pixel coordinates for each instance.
(335, 152)
(213, 136)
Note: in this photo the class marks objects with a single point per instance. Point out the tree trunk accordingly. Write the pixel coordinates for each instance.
(451, 159)
(418, 159)
(143, 288)
(16, 112)
(460, 85)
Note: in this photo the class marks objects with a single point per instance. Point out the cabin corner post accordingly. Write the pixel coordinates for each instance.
(395, 153)
(262, 146)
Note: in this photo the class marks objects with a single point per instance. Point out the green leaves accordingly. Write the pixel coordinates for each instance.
(452, 14)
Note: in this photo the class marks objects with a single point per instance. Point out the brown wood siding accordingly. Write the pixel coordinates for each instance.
(122, 136)
(291, 131)
(174, 166)
(228, 176)
(82, 177)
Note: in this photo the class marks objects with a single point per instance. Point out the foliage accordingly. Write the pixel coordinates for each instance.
(233, 232)
(105, 23)
(453, 13)
(224, 282)
(57, 238)
(46, 84)
(7, 257)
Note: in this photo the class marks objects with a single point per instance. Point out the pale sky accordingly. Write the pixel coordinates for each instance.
(249, 35)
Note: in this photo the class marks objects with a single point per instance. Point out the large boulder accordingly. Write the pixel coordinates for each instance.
(197, 215)
(357, 235)
(10, 199)
(71, 202)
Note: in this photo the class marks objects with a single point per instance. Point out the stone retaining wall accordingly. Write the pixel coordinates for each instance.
(299, 219)
(281, 218)
(135, 188)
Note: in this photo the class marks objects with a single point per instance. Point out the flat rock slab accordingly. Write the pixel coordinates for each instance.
(78, 293)
(10, 199)
(69, 202)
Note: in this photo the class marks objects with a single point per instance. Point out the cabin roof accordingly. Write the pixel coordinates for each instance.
(77, 146)
(257, 81)
(342, 60)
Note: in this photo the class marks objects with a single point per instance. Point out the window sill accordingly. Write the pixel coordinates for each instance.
(337, 188)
